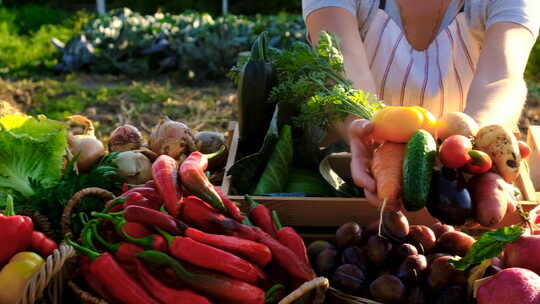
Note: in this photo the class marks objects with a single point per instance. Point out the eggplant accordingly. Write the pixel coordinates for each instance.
(254, 110)
(449, 200)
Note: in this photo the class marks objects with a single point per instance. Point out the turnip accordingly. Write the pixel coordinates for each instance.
(522, 253)
(510, 286)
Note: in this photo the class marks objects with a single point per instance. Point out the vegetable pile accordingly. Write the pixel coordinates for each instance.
(22, 253)
(468, 177)
(179, 238)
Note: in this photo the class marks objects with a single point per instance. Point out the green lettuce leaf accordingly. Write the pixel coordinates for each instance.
(31, 153)
(490, 245)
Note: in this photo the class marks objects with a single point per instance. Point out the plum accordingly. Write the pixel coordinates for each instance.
(510, 286)
(521, 253)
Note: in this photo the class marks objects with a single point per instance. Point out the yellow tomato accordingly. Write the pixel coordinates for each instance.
(379, 115)
(398, 124)
(430, 122)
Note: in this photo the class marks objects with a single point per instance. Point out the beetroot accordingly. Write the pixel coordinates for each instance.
(522, 253)
(510, 286)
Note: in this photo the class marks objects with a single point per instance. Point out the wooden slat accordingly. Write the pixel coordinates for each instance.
(233, 149)
(533, 139)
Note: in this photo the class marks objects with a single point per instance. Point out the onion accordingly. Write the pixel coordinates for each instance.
(134, 167)
(125, 138)
(172, 138)
(86, 145)
(209, 141)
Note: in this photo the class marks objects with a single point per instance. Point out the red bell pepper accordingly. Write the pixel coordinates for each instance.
(200, 214)
(214, 285)
(124, 252)
(165, 173)
(16, 232)
(289, 238)
(232, 208)
(261, 216)
(42, 244)
(114, 278)
(253, 251)
(192, 176)
(164, 293)
(212, 258)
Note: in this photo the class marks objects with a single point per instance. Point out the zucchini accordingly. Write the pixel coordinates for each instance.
(254, 86)
(417, 170)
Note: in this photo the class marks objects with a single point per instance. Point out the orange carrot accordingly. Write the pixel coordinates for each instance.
(386, 167)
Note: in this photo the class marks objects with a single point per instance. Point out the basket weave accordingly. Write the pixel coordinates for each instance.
(312, 292)
(337, 297)
(50, 277)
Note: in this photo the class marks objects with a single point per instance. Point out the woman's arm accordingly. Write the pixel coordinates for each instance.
(344, 25)
(498, 90)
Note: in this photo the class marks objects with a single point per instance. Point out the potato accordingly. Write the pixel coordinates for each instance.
(489, 198)
(456, 123)
(502, 146)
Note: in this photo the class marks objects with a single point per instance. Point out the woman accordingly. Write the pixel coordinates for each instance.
(444, 55)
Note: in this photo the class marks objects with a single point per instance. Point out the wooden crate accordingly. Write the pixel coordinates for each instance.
(318, 217)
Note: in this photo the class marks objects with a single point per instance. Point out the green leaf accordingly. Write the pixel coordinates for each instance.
(308, 182)
(275, 176)
(340, 186)
(31, 152)
(490, 245)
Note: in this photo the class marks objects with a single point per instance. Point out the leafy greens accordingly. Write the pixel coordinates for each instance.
(490, 245)
(31, 153)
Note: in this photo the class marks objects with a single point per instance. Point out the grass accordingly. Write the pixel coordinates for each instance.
(111, 101)
(25, 34)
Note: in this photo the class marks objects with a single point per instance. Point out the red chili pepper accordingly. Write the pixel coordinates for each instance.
(192, 176)
(212, 258)
(137, 199)
(232, 208)
(114, 278)
(201, 214)
(114, 205)
(214, 285)
(42, 244)
(136, 230)
(290, 239)
(148, 192)
(16, 232)
(153, 241)
(125, 252)
(250, 250)
(92, 281)
(125, 187)
(165, 173)
(261, 216)
(164, 293)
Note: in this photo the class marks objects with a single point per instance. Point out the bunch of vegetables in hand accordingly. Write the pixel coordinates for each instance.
(22, 253)
(181, 222)
(473, 180)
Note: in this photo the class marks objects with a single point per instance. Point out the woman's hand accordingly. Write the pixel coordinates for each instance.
(362, 146)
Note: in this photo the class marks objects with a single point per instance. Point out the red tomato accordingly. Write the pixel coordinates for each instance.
(524, 149)
(454, 151)
(480, 162)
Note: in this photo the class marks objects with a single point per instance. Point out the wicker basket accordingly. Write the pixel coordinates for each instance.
(312, 292)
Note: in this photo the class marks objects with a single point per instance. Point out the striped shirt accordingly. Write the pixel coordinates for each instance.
(437, 78)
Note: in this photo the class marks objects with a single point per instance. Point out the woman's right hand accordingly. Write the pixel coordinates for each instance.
(362, 146)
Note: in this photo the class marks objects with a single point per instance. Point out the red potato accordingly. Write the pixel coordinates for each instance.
(510, 286)
(454, 151)
(522, 253)
(490, 200)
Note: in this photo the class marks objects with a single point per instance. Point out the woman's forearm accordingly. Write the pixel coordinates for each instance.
(499, 102)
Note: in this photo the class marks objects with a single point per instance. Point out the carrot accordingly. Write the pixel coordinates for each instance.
(164, 173)
(387, 167)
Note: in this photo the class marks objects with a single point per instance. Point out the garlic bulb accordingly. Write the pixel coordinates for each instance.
(134, 167)
(88, 148)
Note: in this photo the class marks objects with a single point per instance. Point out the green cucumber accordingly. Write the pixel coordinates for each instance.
(417, 170)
